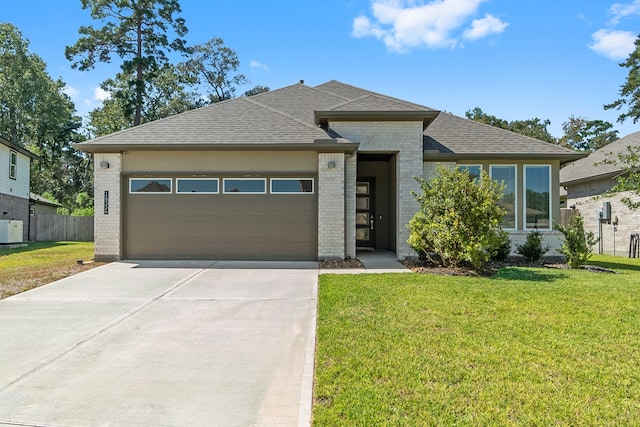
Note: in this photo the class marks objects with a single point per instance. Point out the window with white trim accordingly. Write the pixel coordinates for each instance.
(507, 174)
(537, 197)
(13, 164)
(291, 185)
(197, 186)
(244, 185)
(150, 185)
(474, 170)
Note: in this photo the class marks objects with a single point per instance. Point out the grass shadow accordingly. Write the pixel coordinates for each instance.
(528, 275)
(617, 266)
(32, 246)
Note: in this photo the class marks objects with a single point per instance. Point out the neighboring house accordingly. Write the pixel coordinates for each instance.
(15, 175)
(301, 173)
(41, 206)
(587, 180)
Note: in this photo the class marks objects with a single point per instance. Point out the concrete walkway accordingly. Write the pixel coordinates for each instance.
(162, 343)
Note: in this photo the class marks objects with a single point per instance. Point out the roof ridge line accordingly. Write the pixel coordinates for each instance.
(381, 95)
(281, 113)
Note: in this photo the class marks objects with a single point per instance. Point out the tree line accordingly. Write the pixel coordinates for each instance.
(146, 37)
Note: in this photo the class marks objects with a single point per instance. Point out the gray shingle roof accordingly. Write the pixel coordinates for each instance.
(287, 116)
(453, 136)
(589, 168)
(237, 121)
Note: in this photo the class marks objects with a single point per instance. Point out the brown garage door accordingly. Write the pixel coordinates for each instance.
(266, 218)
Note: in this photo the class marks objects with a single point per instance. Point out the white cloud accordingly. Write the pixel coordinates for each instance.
(71, 91)
(406, 24)
(100, 94)
(257, 64)
(615, 45)
(483, 27)
(620, 10)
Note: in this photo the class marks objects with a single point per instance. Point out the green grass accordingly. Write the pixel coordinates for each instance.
(40, 263)
(529, 346)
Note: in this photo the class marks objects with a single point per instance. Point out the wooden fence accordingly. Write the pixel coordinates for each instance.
(54, 228)
(566, 214)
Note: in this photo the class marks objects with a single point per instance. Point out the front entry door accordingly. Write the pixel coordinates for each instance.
(365, 213)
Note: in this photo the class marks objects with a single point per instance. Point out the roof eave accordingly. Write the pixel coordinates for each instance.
(320, 145)
(563, 158)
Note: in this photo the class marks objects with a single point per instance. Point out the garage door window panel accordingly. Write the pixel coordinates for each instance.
(292, 186)
(245, 185)
(197, 186)
(150, 185)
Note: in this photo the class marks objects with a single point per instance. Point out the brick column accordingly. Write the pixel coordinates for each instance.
(331, 205)
(107, 223)
(351, 176)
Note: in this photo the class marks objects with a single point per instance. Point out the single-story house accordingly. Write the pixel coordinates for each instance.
(42, 206)
(586, 182)
(301, 173)
(15, 178)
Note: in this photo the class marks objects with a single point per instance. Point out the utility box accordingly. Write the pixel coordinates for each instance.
(606, 212)
(10, 231)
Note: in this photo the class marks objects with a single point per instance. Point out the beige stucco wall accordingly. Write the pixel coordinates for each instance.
(219, 161)
(588, 200)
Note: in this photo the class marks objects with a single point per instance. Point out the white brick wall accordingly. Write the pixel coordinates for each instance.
(107, 226)
(351, 163)
(331, 206)
(553, 239)
(405, 139)
(584, 197)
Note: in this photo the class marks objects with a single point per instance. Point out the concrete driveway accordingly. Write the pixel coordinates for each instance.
(162, 343)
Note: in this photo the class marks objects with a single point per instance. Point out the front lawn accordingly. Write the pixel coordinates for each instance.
(530, 346)
(40, 263)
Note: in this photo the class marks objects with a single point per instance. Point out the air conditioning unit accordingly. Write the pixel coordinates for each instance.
(10, 231)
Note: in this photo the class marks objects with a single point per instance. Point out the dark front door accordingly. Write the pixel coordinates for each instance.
(365, 213)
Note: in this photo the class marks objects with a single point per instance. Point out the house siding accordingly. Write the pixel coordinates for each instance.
(14, 193)
(405, 139)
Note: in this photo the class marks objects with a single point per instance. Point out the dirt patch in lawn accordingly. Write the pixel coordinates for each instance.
(32, 278)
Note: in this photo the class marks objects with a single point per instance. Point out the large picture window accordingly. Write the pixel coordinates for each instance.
(150, 185)
(13, 164)
(537, 197)
(245, 185)
(507, 174)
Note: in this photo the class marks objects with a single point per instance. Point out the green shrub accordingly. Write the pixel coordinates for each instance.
(459, 218)
(502, 246)
(532, 249)
(578, 244)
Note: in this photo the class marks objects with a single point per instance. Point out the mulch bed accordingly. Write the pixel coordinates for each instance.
(492, 267)
(340, 263)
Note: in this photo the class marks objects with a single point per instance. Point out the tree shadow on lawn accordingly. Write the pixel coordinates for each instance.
(528, 275)
(617, 266)
(33, 246)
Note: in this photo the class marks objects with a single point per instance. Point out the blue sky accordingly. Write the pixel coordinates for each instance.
(514, 59)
